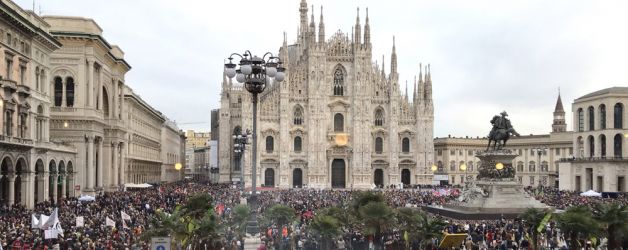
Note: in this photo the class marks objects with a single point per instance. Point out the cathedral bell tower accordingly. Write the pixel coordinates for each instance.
(559, 124)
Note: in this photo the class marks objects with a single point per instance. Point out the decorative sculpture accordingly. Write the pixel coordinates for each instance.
(502, 129)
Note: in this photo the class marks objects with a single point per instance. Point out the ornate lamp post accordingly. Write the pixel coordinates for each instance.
(239, 144)
(253, 72)
(539, 151)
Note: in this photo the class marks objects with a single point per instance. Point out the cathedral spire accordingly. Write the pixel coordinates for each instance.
(303, 14)
(428, 83)
(414, 90)
(367, 30)
(406, 90)
(421, 87)
(358, 29)
(383, 66)
(312, 29)
(321, 29)
(393, 59)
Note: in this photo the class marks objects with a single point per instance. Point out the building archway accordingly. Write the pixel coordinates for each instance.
(338, 175)
(405, 177)
(20, 168)
(5, 168)
(68, 173)
(39, 181)
(52, 169)
(60, 180)
(297, 178)
(269, 177)
(378, 177)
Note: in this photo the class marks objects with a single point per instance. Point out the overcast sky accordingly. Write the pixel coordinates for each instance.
(486, 56)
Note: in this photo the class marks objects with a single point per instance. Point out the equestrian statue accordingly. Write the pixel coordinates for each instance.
(501, 132)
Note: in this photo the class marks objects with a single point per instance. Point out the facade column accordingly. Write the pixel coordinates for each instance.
(123, 163)
(55, 178)
(11, 179)
(71, 181)
(114, 99)
(63, 185)
(89, 173)
(90, 83)
(63, 96)
(116, 165)
(100, 166)
(27, 191)
(41, 187)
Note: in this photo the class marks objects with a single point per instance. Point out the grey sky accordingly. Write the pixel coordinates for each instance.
(525, 50)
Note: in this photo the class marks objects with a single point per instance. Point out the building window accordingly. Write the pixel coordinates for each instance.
(339, 81)
(270, 144)
(69, 92)
(531, 167)
(591, 146)
(580, 120)
(621, 183)
(8, 123)
(531, 180)
(470, 166)
(339, 122)
(439, 152)
(618, 145)
(58, 90)
(9, 63)
(557, 151)
(23, 74)
(602, 116)
(379, 117)
(452, 166)
(591, 118)
(570, 151)
(379, 145)
(544, 166)
(297, 144)
(461, 151)
(405, 145)
(105, 102)
(22, 126)
(531, 152)
(452, 152)
(603, 145)
(520, 166)
(298, 115)
(470, 152)
(619, 115)
(520, 179)
(519, 151)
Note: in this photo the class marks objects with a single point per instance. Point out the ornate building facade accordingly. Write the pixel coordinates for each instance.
(337, 121)
(536, 165)
(600, 137)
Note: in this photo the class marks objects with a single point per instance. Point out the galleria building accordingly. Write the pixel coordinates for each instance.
(337, 121)
(70, 124)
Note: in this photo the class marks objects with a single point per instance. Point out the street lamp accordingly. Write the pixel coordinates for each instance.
(539, 151)
(463, 167)
(253, 72)
(239, 144)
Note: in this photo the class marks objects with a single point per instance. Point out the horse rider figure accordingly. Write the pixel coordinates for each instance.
(501, 131)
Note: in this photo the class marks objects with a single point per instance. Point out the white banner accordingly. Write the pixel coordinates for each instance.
(34, 221)
(51, 234)
(110, 222)
(80, 221)
(125, 216)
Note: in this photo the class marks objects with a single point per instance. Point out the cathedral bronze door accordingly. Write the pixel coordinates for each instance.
(338, 176)
(378, 177)
(297, 178)
(405, 177)
(269, 177)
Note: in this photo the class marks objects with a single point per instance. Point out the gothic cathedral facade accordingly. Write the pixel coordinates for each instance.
(337, 121)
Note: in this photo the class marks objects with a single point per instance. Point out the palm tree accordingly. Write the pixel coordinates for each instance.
(328, 228)
(377, 217)
(165, 225)
(532, 218)
(614, 219)
(409, 221)
(337, 212)
(197, 205)
(281, 215)
(241, 214)
(577, 222)
(362, 198)
(430, 228)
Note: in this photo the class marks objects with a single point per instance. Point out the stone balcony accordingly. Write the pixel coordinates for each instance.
(15, 141)
(9, 87)
(595, 159)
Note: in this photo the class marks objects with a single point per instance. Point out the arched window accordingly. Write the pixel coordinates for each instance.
(39, 123)
(531, 167)
(69, 91)
(405, 145)
(22, 125)
(602, 145)
(591, 118)
(617, 145)
(440, 166)
(8, 123)
(105, 102)
(298, 115)
(602, 116)
(591, 146)
(619, 115)
(339, 82)
(58, 86)
(379, 117)
(580, 147)
(379, 145)
(520, 166)
(297, 144)
(580, 120)
(544, 166)
(452, 166)
(339, 123)
(270, 144)
(37, 78)
(470, 166)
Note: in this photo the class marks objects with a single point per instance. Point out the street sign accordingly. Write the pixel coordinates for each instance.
(160, 243)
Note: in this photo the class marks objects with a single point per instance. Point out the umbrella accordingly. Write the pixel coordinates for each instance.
(87, 198)
(591, 193)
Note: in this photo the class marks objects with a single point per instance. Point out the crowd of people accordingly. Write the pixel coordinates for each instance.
(140, 205)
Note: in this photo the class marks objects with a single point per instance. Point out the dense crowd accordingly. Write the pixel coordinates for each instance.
(15, 221)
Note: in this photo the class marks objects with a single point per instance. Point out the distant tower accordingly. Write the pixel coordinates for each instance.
(559, 124)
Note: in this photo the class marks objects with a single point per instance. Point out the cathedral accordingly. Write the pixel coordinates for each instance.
(337, 121)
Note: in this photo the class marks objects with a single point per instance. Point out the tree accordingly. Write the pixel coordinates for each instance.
(327, 227)
(241, 214)
(532, 218)
(280, 215)
(577, 223)
(165, 225)
(360, 199)
(377, 217)
(409, 222)
(430, 228)
(197, 205)
(614, 219)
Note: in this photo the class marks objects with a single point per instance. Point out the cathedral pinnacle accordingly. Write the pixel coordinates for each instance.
(393, 59)
(358, 29)
(428, 83)
(303, 14)
(312, 30)
(420, 85)
(383, 66)
(367, 30)
(321, 29)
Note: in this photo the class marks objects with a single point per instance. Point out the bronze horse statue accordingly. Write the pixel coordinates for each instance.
(502, 129)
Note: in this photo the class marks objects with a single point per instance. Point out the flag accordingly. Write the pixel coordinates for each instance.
(57, 228)
(50, 234)
(110, 222)
(80, 221)
(124, 225)
(125, 216)
(34, 221)
(405, 235)
(544, 222)
(42, 219)
(54, 217)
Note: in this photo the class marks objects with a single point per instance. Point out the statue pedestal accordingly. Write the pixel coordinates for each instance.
(495, 193)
